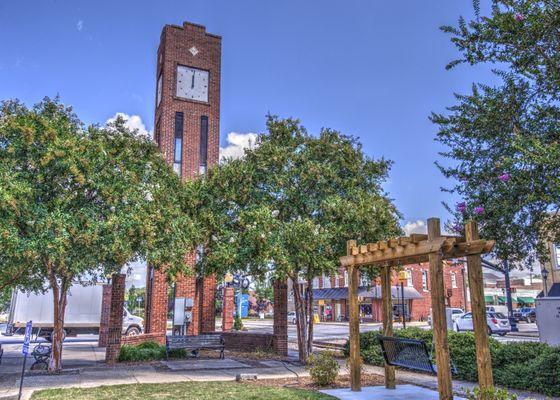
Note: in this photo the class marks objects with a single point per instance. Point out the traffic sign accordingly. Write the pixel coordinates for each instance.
(27, 338)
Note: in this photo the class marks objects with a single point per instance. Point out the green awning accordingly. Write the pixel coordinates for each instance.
(502, 299)
(526, 300)
(488, 299)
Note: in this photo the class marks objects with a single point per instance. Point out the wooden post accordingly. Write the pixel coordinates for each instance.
(355, 358)
(437, 290)
(478, 307)
(387, 316)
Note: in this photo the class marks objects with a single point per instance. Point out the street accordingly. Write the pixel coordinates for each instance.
(337, 332)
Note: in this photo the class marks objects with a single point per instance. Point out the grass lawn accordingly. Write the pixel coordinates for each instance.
(182, 390)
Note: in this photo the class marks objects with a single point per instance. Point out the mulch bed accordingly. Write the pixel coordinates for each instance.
(342, 381)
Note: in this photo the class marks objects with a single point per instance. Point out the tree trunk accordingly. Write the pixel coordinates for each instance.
(309, 305)
(300, 322)
(60, 293)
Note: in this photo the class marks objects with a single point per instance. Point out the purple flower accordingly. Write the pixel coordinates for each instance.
(457, 227)
(461, 207)
(519, 17)
(479, 210)
(504, 177)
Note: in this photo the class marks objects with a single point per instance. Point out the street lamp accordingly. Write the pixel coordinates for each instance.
(544, 273)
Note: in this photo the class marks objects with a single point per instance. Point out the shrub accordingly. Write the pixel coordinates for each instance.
(490, 394)
(323, 368)
(526, 366)
(237, 323)
(146, 351)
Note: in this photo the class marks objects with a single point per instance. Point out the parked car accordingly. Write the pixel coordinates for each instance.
(455, 313)
(527, 314)
(292, 317)
(496, 322)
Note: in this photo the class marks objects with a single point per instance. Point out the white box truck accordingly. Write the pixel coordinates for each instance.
(83, 312)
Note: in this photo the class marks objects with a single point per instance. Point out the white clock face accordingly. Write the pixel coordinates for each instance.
(192, 83)
(159, 86)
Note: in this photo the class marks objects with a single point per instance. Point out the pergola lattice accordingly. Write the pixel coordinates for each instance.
(420, 248)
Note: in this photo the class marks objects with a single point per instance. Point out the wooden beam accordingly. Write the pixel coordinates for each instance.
(372, 247)
(355, 359)
(385, 254)
(363, 249)
(387, 317)
(418, 237)
(439, 322)
(478, 307)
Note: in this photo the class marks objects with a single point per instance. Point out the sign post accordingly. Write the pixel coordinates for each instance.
(25, 352)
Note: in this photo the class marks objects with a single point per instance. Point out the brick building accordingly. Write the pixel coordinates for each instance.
(187, 130)
(331, 294)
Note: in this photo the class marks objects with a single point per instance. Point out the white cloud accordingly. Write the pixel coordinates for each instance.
(133, 122)
(80, 25)
(237, 143)
(418, 226)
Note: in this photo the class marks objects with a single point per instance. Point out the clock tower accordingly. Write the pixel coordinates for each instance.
(187, 130)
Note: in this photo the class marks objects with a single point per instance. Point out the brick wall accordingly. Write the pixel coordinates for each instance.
(146, 337)
(228, 305)
(249, 341)
(115, 318)
(280, 329)
(104, 320)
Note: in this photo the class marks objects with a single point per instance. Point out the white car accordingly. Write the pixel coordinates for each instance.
(455, 313)
(496, 322)
(292, 317)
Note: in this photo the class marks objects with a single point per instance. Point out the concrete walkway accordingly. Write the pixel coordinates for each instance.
(208, 370)
(408, 392)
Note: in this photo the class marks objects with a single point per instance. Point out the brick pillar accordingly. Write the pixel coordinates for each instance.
(156, 301)
(208, 304)
(228, 304)
(115, 318)
(104, 320)
(280, 329)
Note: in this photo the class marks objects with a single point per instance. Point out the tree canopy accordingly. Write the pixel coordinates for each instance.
(502, 140)
(78, 203)
(286, 209)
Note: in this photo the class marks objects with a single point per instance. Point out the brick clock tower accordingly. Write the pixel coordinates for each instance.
(187, 130)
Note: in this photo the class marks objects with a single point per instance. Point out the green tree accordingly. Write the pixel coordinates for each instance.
(502, 141)
(78, 203)
(288, 207)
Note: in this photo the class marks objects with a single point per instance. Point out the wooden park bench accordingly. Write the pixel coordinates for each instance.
(408, 353)
(195, 343)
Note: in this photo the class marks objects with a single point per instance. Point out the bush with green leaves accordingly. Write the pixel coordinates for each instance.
(237, 323)
(323, 368)
(148, 351)
(518, 365)
(489, 394)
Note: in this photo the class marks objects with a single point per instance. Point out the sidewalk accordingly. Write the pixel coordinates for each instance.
(195, 370)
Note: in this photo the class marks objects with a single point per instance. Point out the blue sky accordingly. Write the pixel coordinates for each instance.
(373, 69)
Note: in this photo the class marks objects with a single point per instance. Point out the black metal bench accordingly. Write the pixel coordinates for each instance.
(195, 343)
(41, 353)
(408, 353)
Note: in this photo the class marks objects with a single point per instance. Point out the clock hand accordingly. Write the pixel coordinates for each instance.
(192, 82)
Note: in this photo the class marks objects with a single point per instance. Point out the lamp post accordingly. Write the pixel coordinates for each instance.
(544, 273)
(402, 278)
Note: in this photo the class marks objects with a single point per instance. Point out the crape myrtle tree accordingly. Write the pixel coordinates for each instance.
(286, 209)
(502, 141)
(78, 203)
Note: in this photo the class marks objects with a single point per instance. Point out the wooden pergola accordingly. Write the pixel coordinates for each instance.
(420, 248)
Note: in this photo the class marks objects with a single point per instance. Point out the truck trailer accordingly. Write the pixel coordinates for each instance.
(82, 316)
